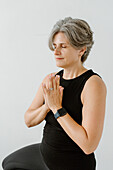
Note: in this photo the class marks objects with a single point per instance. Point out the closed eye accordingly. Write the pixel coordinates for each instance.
(61, 47)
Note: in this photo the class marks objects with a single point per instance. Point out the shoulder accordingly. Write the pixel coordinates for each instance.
(94, 85)
(96, 82)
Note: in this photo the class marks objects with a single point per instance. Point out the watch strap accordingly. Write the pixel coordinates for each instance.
(60, 112)
(56, 115)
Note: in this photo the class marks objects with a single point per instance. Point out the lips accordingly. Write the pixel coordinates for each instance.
(59, 58)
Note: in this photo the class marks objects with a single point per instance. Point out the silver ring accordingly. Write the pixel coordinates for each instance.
(50, 88)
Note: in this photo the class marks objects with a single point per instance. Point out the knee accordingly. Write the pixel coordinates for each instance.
(3, 164)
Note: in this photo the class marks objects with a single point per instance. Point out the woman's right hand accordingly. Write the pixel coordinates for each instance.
(46, 82)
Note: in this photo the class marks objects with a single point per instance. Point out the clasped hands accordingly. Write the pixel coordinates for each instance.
(53, 94)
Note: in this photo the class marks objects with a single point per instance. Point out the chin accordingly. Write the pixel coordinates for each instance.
(60, 65)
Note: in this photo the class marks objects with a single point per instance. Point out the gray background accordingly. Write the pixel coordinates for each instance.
(25, 60)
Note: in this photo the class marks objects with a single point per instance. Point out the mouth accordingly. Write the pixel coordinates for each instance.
(59, 58)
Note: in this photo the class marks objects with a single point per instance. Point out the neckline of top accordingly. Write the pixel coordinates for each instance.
(75, 77)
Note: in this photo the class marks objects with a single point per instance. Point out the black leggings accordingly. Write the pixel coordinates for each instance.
(27, 158)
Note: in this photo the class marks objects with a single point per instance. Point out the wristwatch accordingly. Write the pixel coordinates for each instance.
(60, 112)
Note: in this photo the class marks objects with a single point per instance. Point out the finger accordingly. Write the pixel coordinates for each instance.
(55, 82)
(47, 83)
(58, 81)
(50, 82)
(53, 78)
(61, 90)
(44, 88)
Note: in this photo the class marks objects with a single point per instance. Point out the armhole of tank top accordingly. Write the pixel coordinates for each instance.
(84, 85)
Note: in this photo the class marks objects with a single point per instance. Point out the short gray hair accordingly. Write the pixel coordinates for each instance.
(78, 33)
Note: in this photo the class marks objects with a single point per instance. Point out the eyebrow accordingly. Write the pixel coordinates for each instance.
(60, 43)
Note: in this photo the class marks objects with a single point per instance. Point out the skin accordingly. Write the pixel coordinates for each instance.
(93, 96)
(71, 61)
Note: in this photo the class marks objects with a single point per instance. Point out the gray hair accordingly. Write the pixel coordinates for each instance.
(78, 33)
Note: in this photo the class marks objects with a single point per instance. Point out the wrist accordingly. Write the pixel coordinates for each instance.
(56, 108)
(46, 108)
(60, 112)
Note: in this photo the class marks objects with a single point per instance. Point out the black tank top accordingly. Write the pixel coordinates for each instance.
(59, 151)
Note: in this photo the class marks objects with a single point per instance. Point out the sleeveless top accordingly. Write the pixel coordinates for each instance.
(59, 151)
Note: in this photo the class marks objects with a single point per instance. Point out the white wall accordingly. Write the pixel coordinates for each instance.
(25, 59)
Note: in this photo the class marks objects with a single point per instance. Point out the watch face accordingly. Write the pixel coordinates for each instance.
(56, 115)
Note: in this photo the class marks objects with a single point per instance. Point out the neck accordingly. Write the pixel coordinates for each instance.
(70, 73)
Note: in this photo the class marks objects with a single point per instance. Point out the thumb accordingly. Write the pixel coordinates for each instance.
(44, 88)
(61, 90)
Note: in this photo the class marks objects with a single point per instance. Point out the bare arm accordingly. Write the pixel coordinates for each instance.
(88, 135)
(36, 116)
(37, 111)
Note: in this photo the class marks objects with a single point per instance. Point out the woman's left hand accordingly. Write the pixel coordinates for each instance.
(54, 96)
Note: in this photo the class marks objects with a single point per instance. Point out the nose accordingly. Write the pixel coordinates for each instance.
(57, 51)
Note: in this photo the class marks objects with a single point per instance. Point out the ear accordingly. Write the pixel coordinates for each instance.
(82, 51)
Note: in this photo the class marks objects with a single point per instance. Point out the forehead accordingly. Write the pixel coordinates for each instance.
(61, 38)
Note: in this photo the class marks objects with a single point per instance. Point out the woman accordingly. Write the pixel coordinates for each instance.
(72, 101)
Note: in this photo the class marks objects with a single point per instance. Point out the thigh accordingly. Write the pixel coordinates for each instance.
(29, 158)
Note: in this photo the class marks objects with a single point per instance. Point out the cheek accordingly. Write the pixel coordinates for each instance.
(75, 54)
(73, 58)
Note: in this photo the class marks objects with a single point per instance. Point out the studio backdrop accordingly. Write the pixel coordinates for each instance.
(25, 60)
